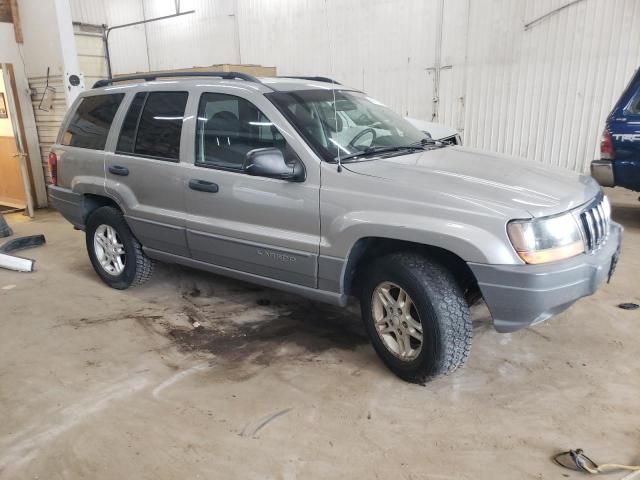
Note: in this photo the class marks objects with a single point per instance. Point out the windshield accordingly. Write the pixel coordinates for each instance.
(358, 124)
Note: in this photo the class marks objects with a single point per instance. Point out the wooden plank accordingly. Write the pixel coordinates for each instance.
(11, 184)
(23, 136)
(17, 26)
(5, 11)
(255, 70)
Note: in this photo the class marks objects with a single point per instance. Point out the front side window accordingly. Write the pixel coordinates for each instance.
(153, 125)
(228, 127)
(90, 124)
(346, 124)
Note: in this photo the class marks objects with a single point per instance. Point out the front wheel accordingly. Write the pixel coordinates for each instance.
(116, 255)
(416, 316)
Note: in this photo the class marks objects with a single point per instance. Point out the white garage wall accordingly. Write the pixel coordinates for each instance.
(541, 92)
(91, 54)
(205, 38)
(382, 47)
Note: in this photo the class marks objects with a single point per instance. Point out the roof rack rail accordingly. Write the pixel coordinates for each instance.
(147, 77)
(315, 79)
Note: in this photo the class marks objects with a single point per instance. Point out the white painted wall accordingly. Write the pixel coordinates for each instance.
(40, 48)
(10, 53)
(541, 93)
(49, 43)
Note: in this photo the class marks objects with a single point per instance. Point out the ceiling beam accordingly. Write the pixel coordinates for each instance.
(15, 15)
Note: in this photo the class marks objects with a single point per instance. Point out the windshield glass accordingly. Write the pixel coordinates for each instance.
(345, 123)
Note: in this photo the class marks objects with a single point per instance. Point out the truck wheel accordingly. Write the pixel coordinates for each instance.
(116, 255)
(416, 316)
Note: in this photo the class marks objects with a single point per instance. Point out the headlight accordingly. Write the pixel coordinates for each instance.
(543, 240)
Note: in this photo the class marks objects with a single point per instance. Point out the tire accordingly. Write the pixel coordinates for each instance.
(439, 304)
(136, 266)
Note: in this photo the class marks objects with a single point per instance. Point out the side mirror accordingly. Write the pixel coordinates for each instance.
(270, 162)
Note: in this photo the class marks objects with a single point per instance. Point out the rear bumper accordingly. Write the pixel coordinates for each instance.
(602, 171)
(627, 173)
(68, 203)
(523, 295)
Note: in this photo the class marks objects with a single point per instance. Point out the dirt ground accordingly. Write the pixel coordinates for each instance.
(103, 384)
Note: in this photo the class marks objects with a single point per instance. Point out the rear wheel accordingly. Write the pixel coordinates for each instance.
(416, 316)
(116, 255)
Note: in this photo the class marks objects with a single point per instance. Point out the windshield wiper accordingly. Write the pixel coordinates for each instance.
(428, 141)
(375, 150)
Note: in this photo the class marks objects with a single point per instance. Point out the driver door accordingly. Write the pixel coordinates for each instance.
(260, 226)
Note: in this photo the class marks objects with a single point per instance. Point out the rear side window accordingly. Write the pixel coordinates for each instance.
(130, 124)
(89, 126)
(153, 125)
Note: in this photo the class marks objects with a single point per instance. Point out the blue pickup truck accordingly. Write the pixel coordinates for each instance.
(619, 163)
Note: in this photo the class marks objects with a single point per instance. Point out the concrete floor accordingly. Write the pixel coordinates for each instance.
(101, 384)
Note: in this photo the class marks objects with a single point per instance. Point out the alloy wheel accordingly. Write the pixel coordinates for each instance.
(396, 321)
(109, 250)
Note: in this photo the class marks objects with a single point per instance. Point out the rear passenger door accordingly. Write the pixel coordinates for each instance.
(257, 225)
(143, 170)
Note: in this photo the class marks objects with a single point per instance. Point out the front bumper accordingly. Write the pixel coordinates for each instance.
(523, 295)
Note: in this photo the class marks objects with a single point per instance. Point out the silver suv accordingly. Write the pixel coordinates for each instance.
(312, 187)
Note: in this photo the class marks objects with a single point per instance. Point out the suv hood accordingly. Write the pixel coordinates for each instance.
(493, 180)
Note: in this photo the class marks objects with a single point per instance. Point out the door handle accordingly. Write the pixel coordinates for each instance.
(118, 170)
(203, 186)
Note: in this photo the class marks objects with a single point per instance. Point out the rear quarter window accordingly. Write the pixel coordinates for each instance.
(90, 124)
(634, 106)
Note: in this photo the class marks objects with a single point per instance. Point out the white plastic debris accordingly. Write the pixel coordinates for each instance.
(16, 263)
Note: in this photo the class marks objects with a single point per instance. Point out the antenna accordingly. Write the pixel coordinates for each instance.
(333, 90)
(335, 117)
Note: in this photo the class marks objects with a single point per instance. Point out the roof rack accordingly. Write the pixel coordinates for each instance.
(147, 77)
(315, 79)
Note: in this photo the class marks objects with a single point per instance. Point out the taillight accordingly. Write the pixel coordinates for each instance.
(607, 151)
(53, 168)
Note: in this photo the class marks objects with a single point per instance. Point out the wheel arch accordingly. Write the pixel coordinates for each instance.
(369, 248)
(92, 201)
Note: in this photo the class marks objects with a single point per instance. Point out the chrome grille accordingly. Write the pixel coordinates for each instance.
(594, 221)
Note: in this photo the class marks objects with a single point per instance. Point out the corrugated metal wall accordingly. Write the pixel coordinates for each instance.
(383, 47)
(91, 54)
(544, 92)
(541, 92)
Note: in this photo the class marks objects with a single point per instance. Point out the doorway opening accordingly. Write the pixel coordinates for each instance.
(16, 184)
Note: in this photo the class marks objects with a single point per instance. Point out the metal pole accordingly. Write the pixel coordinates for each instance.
(438, 61)
(140, 22)
(527, 26)
(107, 30)
(107, 56)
